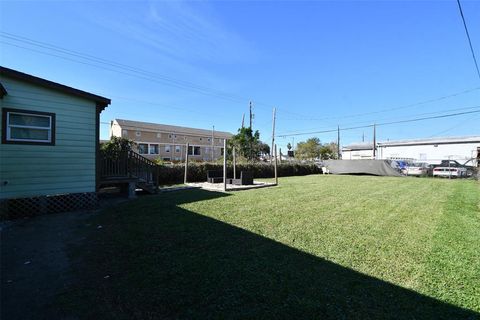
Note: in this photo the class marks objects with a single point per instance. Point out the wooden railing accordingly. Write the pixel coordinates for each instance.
(128, 164)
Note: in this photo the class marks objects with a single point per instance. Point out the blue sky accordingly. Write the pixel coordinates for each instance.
(320, 63)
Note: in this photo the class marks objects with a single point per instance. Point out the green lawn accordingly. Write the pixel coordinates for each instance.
(313, 247)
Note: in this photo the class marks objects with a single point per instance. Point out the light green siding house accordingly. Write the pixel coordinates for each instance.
(50, 141)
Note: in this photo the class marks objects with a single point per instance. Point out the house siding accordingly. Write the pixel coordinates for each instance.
(66, 167)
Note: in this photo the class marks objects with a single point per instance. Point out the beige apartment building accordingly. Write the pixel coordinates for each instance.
(166, 142)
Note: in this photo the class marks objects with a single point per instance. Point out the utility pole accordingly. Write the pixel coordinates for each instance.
(273, 131)
(338, 142)
(225, 165)
(250, 115)
(374, 141)
(363, 136)
(213, 139)
(243, 120)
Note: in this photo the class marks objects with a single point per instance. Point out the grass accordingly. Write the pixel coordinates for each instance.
(313, 247)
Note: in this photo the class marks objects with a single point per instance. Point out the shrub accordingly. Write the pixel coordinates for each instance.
(197, 172)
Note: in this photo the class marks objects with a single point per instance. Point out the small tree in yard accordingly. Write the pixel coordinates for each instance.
(248, 145)
(116, 145)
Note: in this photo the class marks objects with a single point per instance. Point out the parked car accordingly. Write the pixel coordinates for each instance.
(417, 169)
(452, 172)
(468, 169)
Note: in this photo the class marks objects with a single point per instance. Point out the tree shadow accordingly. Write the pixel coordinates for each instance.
(173, 263)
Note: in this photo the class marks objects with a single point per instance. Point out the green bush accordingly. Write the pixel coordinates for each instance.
(197, 172)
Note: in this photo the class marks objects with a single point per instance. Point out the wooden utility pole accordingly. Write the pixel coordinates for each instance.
(186, 164)
(280, 152)
(225, 165)
(338, 142)
(251, 115)
(273, 131)
(275, 167)
(374, 141)
(234, 163)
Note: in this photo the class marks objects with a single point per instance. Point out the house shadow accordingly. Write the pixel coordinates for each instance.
(188, 266)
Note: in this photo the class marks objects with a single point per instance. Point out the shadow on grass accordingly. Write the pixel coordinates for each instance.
(167, 262)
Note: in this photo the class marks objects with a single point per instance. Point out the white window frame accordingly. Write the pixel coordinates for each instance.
(168, 148)
(49, 129)
(178, 149)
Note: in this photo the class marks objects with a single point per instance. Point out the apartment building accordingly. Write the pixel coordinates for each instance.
(167, 142)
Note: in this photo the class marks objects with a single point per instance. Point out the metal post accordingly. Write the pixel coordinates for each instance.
(234, 163)
(276, 176)
(186, 164)
(225, 165)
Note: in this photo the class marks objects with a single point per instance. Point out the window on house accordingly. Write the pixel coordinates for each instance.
(124, 133)
(153, 149)
(167, 148)
(138, 133)
(29, 127)
(193, 151)
(177, 149)
(159, 135)
(209, 139)
(143, 148)
(166, 159)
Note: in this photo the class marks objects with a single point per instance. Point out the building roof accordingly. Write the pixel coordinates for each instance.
(157, 127)
(358, 146)
(428, 141)
(102, 102)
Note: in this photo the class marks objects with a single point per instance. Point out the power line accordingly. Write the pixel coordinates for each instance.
(385, 119)
(382, 124)
(468, 37)
(398, 107)
(113, 66)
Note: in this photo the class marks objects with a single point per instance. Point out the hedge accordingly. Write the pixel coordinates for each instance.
(197, 172)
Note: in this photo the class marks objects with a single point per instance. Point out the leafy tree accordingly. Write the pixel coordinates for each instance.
(313, 148)
(116, 145)
(248, 145)
(309, 149)
(329, 151)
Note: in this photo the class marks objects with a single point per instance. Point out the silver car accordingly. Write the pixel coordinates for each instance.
(417, 169)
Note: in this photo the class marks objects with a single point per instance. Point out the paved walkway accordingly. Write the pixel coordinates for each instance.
(230, 187)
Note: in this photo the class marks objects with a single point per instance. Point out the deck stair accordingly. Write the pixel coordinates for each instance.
(129, 167)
